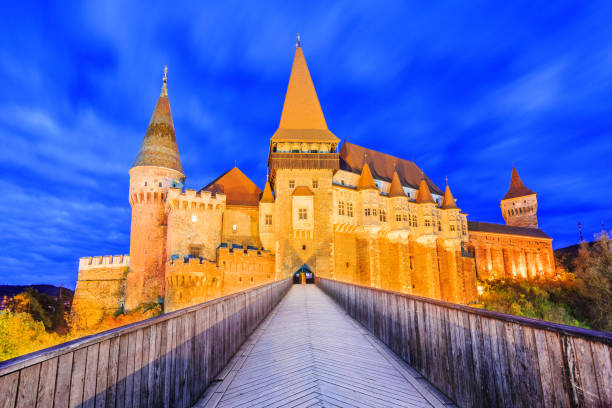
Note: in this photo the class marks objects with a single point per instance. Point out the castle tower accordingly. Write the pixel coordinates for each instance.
(303, 155)
(519, 206)
(157, 167)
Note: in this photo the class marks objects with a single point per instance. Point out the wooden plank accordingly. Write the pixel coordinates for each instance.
(78, 377)
(129, 378)
(137, 372)
(557, 369)
(588, 378)
(529, 359)
(572, 372)
(28, 385)
(113, 372)
(62, 385)
(102, 373)
(602, 359)
(124, 346)
(147, 365)
(544, 369)
(91, 372)
(9, 384)
(46, 383)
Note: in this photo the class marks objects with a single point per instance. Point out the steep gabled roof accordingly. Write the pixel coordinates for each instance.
(159, 146)
(477, 226)
(302, 191)
(366, 181)
(424, 195)
(238, 188)
(396, 189)
(448, 202)
(302, 117)
(517, 188)
(267, 196)
(382, 166)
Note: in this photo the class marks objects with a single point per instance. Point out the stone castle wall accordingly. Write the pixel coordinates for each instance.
(100, 288)
(511, 256)
(191, 281)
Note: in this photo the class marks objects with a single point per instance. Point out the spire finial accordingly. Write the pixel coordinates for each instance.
(446, 178)
(164, 91)
(580, 231)
(298, 43)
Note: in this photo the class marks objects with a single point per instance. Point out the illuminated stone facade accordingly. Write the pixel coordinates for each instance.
(349, 213)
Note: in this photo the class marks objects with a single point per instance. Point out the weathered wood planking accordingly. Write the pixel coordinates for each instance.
(165, 361)
(485, 359)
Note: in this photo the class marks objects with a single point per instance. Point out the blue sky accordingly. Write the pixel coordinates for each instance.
(465, 89)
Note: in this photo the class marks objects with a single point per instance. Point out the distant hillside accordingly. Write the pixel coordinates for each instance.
(50, 290)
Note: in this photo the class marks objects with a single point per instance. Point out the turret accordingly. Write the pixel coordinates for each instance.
(266, 217)
(369, 196)
(427, 208)
(399, 204)
(156, 169)
(519, 206)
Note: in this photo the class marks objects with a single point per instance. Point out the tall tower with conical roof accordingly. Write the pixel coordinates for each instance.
(157, 168)
(520, 205)
(303, 158)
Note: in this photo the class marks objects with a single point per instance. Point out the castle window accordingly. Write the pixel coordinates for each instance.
(303, 247)
(194, 218)
(302, 214)
(315, 183)
(160, 183)
(342, 182)
(414, 221)
(349, 209)
(411, 266)
(291, 183)
(398, 217)
(234, 227)
(367, 212)
(145, 183)
(405, 217)
(341, 208)
(240, 279)
(374, 212)
(427, 222)
(383, 216)
(439, 226)
(194, 251)
(268, 219)
(252, 280)
(452, 227)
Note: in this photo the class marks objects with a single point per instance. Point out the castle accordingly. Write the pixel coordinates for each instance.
(342, 212)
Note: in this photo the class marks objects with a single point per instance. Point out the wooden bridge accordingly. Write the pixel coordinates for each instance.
(329, 345)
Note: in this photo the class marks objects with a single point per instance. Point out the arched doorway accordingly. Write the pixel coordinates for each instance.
(303, 274)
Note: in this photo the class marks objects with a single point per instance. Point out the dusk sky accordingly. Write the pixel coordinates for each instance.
(465, 89)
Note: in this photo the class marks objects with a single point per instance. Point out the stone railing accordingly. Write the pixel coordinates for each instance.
(481, 358)
(164, 361)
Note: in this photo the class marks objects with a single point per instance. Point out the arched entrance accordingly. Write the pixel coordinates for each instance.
(303, 274)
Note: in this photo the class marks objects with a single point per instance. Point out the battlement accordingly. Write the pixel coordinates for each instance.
(241, 250)
(193, 200)
(106, 261)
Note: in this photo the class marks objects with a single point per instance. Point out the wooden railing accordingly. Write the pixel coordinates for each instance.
(481, 358)
(164, 361)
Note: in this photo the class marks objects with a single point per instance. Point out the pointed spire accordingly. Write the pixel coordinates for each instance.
(159, 146)
(424, 195)
(267, 196)
(302, 117)
(366, 181)
(448, 202)
(396, 189)
(517, 188)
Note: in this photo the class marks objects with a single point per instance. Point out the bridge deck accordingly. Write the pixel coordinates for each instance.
(309, 352)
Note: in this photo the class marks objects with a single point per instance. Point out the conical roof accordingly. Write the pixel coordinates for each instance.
(424, 195)
(517, 188)
(267, 196)
(396, 189)
(302, 118)
(159, 146)
(448, 202)
(366, 181)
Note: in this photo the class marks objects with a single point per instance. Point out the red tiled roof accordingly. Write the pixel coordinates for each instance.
(238, 188)
(382, 166)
